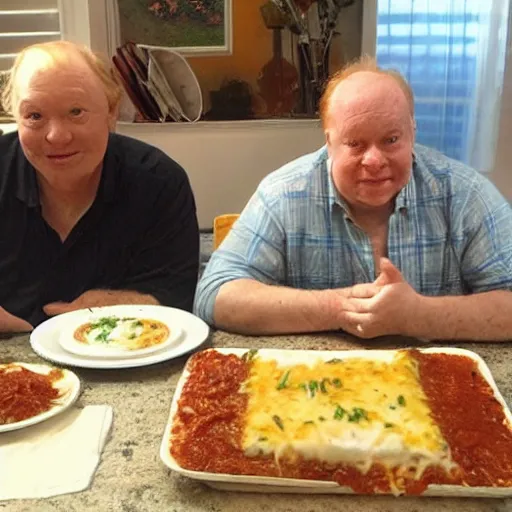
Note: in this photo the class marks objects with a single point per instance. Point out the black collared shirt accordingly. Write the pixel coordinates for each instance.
(139, 234)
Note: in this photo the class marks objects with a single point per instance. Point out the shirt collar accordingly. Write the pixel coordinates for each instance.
(27, 190)
(406, 198)
(107, 190)
(335, 197)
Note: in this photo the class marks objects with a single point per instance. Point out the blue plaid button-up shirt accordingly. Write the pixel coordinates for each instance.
(450, 233)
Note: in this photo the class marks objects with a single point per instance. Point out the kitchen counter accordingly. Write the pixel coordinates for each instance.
(132, 478)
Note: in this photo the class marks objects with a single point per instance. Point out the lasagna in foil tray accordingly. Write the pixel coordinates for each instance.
(369, 421)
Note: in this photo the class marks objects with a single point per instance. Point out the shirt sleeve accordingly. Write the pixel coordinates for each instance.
(486, 217)
(253, 249)
(165, 262)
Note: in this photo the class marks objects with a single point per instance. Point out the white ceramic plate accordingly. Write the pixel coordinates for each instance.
(69, 343)
(289, 485)
(44, 339)
(69, 386)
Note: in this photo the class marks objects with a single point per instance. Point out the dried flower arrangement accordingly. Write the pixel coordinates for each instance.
(313, 22)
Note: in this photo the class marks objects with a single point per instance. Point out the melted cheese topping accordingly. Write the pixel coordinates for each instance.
(124, 333)
(354, 411)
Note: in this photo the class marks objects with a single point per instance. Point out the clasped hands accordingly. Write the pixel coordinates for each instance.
(389, 305)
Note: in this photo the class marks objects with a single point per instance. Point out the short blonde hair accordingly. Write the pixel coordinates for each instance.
(58, 52)
(364, 63)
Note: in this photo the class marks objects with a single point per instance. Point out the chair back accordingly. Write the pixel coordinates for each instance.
(221, 227)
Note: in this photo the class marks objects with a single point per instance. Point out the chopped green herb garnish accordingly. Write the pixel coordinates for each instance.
(357, 414)
(309, 422)
(321, 418)
(132, 336)
(102, 336)
(105, 322)
(283, 381)
(388, 425)
(250, 355)
(313, 387)
(262, 438)
(333, 361)
(303, 386)
(137, 323)
(336, 383)
(392, 407)
(323, 388)
(401, 400)
(339, 413)
(278, 421)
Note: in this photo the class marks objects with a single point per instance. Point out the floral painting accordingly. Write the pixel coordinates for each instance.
(195, 25)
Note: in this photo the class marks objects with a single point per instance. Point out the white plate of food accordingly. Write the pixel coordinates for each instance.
(31, 393)
(425, 422)
(47, 337)
(117, 336)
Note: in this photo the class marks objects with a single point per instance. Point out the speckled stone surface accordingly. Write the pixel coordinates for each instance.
(132, 478)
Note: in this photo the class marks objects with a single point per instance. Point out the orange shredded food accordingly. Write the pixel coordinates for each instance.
(24, 393)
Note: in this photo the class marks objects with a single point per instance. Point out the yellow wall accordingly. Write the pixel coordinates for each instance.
(252, 49)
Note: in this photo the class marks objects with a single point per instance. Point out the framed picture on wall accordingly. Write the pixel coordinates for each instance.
(192, 27)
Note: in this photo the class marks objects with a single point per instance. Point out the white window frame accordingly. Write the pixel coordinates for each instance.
(369, 35)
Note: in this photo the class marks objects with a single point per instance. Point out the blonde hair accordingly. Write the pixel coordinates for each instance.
(364, 63)
(58, 53)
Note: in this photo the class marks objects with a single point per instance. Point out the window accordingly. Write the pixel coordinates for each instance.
(26, 22)
(452, 53)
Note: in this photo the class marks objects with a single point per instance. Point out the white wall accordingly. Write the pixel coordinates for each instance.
(225, 161)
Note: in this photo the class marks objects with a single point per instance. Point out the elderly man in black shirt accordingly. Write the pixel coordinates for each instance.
(87, 217)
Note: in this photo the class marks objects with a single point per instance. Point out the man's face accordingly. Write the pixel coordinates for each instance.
(370, 140)
(63, 121)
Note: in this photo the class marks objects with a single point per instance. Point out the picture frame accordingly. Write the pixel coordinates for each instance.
(191, 27)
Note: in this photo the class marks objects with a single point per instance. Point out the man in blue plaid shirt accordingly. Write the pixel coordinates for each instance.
(371, 234)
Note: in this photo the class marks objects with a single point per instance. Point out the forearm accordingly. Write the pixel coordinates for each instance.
(479, 317)
(250, 307)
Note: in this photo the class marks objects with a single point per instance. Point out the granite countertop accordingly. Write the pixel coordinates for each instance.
(132, 478)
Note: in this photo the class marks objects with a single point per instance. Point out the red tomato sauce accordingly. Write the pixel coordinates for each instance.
(470, 417)
(208, 430)
(24, 394)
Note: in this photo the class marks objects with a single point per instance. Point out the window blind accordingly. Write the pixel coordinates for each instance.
(25, 22)
(435, 45)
